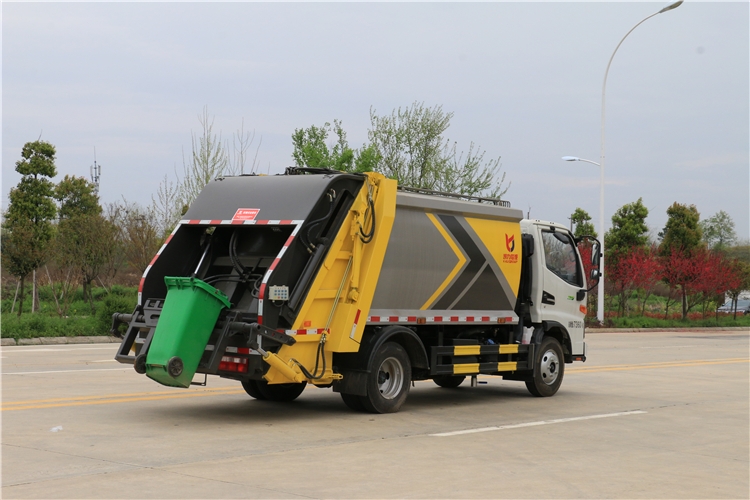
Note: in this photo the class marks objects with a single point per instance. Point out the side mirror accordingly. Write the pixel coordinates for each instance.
(595, 274)
(596, 254)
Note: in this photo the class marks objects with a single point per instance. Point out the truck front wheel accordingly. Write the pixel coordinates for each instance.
(549, 368)
(389, 379)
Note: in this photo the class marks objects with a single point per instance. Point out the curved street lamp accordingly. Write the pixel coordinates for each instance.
(600, 302)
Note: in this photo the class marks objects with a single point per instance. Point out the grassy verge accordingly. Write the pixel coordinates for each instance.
(81, 321)
(646, 322)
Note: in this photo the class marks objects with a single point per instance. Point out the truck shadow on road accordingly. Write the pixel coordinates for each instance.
(322, 404)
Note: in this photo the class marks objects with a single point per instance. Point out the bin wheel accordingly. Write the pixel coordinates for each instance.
(389, 379)
(353, 401)
(549, 367)
(448, 381)
(251, 387)
(140, 364)
(280, 392)
(175, 366)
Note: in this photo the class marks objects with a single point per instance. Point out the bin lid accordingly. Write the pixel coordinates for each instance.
(188, 282)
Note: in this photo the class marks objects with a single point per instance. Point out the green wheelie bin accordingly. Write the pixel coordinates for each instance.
(187, 319)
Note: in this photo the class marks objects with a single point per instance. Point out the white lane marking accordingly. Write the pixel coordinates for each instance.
(533, 424)
(12, 349)
(667, 347)
(69, 371)
(103, 361)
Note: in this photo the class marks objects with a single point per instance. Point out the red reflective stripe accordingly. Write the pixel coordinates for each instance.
(375, 319)
(262, 292)
(289, 241)
(169, 238)
(485, 318)
(454, 318)
(216, 221)
(393, 319)
(469, 318)
(411, 318)
(193, 221)
(261, 222)
(140, 285)
(356, 318)
(273, 264)
(237, 221)
(438, 318)
(286, 222)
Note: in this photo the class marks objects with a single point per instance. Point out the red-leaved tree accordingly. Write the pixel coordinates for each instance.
(683, 271)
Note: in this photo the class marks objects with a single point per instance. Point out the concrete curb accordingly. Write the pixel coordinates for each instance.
(659, 330)
(61, 340)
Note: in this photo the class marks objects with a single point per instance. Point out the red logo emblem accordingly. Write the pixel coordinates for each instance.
(246, 214)
(510, 242)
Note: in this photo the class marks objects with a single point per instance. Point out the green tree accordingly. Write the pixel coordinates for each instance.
(718, 231)
(629, 228)
(681, 238)
(311, 148)
(682, 231)
(86, 242)
(76, 196)
(31, 209)
(85, 239)
(582, 222)
(411, 148)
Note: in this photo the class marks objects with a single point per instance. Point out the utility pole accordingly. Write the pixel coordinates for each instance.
(96, 173)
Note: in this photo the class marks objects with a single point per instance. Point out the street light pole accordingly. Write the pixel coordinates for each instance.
(600, 302)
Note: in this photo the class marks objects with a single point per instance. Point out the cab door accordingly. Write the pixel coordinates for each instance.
(563, 294)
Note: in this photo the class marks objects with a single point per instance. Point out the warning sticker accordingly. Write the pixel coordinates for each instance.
(246, 214)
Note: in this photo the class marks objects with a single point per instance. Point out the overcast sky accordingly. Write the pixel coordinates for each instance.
(524, 80)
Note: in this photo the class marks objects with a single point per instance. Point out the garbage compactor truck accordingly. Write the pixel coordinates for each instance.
(347, 281)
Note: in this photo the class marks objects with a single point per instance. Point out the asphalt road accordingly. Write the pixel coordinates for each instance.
(649, 415)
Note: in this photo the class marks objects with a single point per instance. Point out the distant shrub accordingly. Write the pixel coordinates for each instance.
(113, 303)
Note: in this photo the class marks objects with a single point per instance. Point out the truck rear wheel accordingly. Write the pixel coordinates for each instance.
(448, 381)
(389, 379)
(353, 401)
(251, 387)
(549, 368)
(281, 392)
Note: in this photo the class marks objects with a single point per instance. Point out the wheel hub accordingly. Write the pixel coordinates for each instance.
(549, 367)
(390, 378)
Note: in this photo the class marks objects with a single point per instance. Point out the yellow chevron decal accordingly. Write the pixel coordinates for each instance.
(459, 265)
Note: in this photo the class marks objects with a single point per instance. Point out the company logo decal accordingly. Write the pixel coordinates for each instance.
(246, 214)
(510, 244)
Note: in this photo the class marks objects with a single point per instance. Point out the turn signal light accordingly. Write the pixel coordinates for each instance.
(582, 308)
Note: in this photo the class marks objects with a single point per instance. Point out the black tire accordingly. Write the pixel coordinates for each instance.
(140, 364)
(281, 392)
(389, 379)
(353, 401)
(251, 387)
(448, 381)
(549, 368)
(175, 366)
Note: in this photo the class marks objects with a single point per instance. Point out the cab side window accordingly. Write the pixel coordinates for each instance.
(560, 256)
